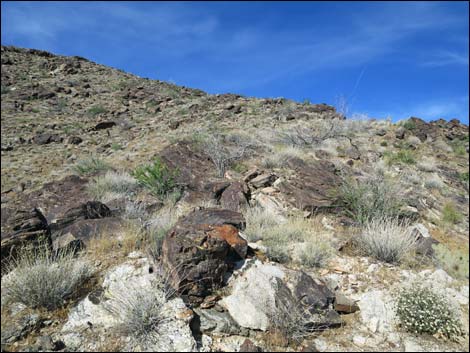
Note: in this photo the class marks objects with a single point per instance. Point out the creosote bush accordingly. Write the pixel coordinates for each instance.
(157, 178)
(38, 277)
(387, 239)
(421, 310)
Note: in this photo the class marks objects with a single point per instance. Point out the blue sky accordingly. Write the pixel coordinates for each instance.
(383, 59)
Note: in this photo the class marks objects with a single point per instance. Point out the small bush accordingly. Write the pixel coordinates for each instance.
(421, 310)
(97, 109)
(112, 185)
(371, 198)
(258, 223)
(427, 165)
(409, 125)
(316, 253)
(90, 166)
(455, 262)
(157, 178)
(277, 251)
(400, 157)
(434, 182)
(386, 239)
(39, 278)
(450, 214)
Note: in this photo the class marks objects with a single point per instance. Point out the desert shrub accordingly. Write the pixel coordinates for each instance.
(434, 182)
(455, 261)
(112, 185)
(409, 124)
(157, 178)
(95, 110)
(421, 310)
(401, 157)
(386, 239)
(278, 156)
(258, 223)
(427, 165)
(316, 253)
(384, 143)
(371, 198)
(450, 214)
(90, 165)
(38, 277)
(223, 149)
(140, 310)
(277, 251)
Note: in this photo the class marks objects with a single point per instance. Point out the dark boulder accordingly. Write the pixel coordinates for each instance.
(235, 197)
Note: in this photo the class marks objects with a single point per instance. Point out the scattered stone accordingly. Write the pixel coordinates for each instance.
(345, 305)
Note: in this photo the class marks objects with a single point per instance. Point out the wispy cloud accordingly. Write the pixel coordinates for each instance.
(445, 58)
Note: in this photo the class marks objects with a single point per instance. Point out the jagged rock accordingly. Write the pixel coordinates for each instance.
(214, 321)
(44, 139)
(313, 185)
(258, 292)
(235, 197)
(74, 140)
(79, 233)
(263, 180)
(345, 305)
(20, 227)
(199, 250)
(104, 125)
(424, 241)
(377, 311)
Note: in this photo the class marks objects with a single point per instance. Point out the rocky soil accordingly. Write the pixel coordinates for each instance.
(219, 275)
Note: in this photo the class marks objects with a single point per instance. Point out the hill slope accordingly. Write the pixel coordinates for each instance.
(286, 187)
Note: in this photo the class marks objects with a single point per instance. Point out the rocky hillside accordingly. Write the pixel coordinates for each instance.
(141, 215)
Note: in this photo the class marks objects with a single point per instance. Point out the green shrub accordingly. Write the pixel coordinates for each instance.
(401, 157)
(421, 310)
(39, 278)
(157, 178)
(116, 146)
(455, 262)
(450, 214)
(409, 125)
(90, 166)
(384, 143)
(97, 109)
(371, 198)
(316, 253)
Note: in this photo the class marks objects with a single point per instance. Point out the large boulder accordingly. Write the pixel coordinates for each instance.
(264, 293)
(312, 186)
(235, 197)
(200, 249)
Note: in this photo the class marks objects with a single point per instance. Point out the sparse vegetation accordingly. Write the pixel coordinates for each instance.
(90, 166)
(401, 157)
(316, 253)
(450, 214)
(421, 310)
(40, 278)
(386, 239)
(112, 185)
(374, 197)
(157, 178)
(95, 110)
(409, 125)
(157, 227)
(455, 261)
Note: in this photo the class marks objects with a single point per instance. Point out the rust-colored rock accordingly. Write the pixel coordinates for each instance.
(200, 249)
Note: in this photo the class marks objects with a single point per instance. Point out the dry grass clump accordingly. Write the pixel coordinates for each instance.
(280, 154)
(140, 310)
(38, 277)
(427, 164)
(387, 239)
(316, 253)
(450, 214)
(112, 185)
(90, 165)
(258, 222)
(434, 182)
(157, 227)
